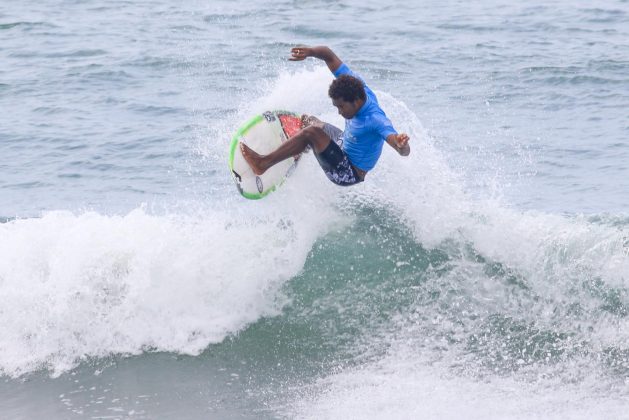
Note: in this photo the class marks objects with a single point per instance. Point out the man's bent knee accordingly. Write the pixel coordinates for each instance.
(317, 138)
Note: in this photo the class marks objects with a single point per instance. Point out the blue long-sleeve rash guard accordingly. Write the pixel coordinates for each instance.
(367, 131)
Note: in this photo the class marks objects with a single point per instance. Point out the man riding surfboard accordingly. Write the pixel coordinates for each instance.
(344, 155)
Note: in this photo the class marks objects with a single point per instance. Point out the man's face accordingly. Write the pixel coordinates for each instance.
(348, 109)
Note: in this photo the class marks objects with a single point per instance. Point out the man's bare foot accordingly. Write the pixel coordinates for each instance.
(253, 159)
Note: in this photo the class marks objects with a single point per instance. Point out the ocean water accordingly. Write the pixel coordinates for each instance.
(485, 276)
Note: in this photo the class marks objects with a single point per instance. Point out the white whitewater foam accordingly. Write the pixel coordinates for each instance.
(403, 386)
(88, 285)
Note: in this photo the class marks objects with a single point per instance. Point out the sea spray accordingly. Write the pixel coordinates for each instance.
(539, 297)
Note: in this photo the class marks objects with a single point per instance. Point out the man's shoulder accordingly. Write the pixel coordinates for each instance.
(375, 114)
(343, 69)
(378, 121)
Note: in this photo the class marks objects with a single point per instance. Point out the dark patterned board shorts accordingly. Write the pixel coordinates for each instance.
(334, 161)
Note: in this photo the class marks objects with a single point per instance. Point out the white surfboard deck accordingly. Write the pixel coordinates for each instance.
(263, 133)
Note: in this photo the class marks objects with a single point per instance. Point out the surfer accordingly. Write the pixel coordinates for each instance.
(345, 156)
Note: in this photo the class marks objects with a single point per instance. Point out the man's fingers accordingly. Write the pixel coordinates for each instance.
(402, 140)
(299, 53)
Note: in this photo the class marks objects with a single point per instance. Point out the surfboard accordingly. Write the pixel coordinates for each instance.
(263, 133)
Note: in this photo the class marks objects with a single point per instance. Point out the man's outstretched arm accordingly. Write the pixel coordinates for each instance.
(321, 52)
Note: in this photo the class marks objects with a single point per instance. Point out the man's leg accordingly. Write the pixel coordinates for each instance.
(313, 136)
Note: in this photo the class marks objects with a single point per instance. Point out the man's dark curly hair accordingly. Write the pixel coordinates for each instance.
(347, 88)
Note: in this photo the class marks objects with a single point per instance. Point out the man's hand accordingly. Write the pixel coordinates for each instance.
(400, 143)
(310, 120)
(320, 52)
(300, 53)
